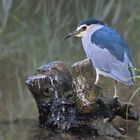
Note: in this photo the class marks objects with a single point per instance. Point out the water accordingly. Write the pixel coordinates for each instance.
(28, 130)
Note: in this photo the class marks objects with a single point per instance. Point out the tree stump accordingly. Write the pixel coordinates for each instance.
(83, 82)
(69, 101)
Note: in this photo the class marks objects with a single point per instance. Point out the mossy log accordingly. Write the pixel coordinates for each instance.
(69, 101)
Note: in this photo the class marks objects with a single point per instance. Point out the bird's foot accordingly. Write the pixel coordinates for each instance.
(116, 98)
(106, 120)
(99, 87)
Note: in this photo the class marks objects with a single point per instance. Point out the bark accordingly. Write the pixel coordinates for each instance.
(69, 101)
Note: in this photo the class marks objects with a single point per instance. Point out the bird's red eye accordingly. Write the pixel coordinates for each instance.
(84, 27)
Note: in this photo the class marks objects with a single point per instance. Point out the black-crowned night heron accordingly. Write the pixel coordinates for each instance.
(107, 50)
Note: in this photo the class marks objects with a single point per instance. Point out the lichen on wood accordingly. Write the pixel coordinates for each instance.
(69, 101)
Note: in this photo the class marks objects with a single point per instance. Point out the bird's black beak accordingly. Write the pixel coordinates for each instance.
(74, 33)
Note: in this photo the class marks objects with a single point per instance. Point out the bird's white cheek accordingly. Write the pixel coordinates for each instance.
(81, 34)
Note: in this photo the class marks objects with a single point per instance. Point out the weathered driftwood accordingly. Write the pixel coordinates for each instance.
(70, 102)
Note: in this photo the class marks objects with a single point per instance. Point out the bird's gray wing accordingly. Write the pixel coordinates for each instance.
(104, 61)
(110, 54)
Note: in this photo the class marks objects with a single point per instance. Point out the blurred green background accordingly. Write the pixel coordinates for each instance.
(31, 34)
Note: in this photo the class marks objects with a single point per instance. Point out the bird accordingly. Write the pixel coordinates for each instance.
(108, 51)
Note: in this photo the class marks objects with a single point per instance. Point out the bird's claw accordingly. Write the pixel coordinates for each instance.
(99, 87)
(106, 120)
(116, 98)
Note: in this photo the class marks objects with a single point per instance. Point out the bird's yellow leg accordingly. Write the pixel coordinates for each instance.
(97, 78)
(115, 89)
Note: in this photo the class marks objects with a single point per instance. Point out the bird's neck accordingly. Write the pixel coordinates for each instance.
(86, 39)
(93, 28)
(90, 30)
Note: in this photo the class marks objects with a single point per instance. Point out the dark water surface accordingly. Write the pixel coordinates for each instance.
(29, 130)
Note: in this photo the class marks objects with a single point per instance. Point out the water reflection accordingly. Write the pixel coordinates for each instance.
(29, 130)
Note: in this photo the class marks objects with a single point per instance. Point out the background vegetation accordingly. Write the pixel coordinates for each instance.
(31, 34)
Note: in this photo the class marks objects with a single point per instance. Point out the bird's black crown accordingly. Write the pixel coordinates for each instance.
(90, 21)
